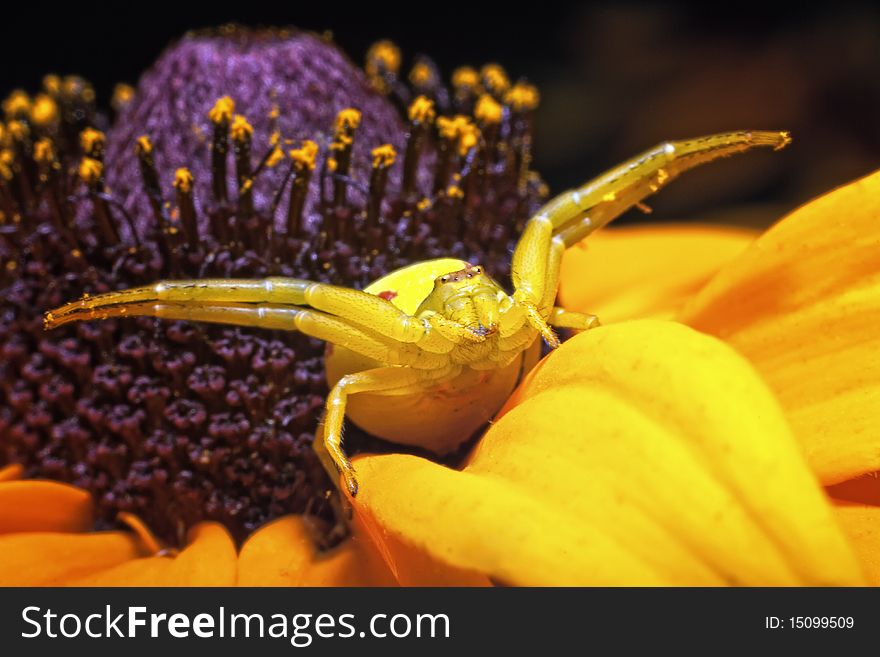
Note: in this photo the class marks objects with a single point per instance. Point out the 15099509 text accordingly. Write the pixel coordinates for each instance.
(809, 623)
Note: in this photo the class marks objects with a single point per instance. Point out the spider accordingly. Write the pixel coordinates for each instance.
(442, 338)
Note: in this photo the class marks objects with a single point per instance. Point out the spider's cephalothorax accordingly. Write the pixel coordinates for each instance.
(243, 154)
(440, 336)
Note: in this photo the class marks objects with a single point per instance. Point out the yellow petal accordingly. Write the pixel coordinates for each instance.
(861, 524)
(283, 553)
(445, 527)
(11, 472)
(53, 559)
(640, 453)
(44, 506)
(208, 560)
(645, 271)
(803, 304)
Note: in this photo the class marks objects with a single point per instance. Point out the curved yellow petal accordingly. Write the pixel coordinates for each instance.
(861, 524)
(645, 271)
(208, 560)
(803, 305)
(283, 553)
(640, 453)
(54, 559)
(44, 506)
(11, 472)
(446, 527)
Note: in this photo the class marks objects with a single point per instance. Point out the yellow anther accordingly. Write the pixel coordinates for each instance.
(495, 78)
(222, 110)
(383, 156)
(75, 88)
(459, 129)
(465, 78)
(123, 94)
(469, 137)
(91, 140)
(448, 128)
(275, 138)
(52, 84)
(6, 160)
(421, 110)
(18, 130)
(183, 180)
(347, 120)
(522, 97)
(305, 156)
(424, 204)
(90, 170)
(454, 191)
(420, 74)
(274, 113)
(4, 136)
(17, 105)
(381, 57)
(275, 156)
(44, 151)
(44, 111)
(143, 145)
(488, 110)
(240, 129)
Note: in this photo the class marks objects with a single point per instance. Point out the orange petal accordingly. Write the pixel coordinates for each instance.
(645, 271)
(803, 304)
(283, 553)
(861, 524)
(53, 559)
(11, 472)
(44, 506)
(640, 453)
(208, 560)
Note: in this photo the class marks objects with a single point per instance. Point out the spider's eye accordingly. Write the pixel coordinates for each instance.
(478, 270)
(444, 279)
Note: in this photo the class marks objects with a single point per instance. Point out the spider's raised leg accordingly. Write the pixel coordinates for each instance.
(572, 216)
(379, 381)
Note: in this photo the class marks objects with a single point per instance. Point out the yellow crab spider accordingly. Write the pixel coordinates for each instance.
(441, 337)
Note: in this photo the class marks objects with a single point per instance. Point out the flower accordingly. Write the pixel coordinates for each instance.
(647, 451)
(241, 153)
(642, 452)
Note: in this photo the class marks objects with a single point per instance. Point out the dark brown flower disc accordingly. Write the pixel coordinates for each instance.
(206, 171)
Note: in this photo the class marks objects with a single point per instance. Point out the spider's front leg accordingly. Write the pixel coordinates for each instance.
(357, 308)
(416, 352)
(380, 381)
(573, 215)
